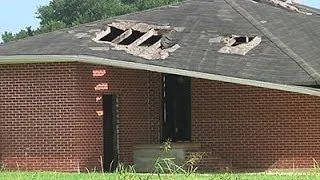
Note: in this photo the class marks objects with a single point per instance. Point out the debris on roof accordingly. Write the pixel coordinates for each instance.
(286, 5)
(139, 39)
(240, 45)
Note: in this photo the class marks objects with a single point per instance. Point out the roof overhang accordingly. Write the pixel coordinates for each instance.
(21, 59)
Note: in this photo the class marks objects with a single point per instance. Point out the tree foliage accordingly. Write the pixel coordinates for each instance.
(7, 37)
(60, 14)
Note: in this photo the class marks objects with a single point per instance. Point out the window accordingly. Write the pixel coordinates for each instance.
(176, 124)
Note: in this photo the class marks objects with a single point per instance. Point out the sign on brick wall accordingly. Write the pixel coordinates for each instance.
(98, 73)
(102, 86)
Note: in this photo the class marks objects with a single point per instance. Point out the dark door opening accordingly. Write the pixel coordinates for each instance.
(110, 157)
(176, 124)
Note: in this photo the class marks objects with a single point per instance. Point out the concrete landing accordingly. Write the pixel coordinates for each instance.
(146, 155)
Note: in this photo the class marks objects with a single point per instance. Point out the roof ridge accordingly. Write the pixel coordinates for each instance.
(275, 40)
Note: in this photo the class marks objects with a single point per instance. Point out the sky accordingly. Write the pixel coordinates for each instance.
(19, 14)
(312, 3)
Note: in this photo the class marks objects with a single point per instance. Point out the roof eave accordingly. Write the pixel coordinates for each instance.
(21, 59)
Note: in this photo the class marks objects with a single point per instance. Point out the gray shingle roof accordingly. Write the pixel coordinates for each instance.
(288, 53)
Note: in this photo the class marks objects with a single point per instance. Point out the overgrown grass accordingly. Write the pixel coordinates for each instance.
(137, 176)
(163, 169)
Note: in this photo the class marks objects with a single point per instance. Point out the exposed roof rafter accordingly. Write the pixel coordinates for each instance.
(139, 39)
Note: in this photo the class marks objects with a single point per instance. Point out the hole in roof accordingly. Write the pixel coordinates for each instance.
(115, 32)
(152, 40)
(133, 37)
(139, 39)
(240, 45)
(241, 40)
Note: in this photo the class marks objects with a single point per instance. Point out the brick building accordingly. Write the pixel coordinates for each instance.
(223, 78)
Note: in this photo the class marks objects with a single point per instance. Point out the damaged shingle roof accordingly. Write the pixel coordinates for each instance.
(288, 52)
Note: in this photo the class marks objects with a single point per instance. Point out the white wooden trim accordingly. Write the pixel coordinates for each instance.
(161, 69)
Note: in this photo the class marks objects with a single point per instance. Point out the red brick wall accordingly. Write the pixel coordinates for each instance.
(244, 127)
(48, 114)
(138, 93)
(48, 119)
(38, 117)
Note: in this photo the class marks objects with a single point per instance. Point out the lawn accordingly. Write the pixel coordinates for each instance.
(128, 176)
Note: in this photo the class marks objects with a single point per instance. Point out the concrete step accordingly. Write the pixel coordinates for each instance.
(145, 158)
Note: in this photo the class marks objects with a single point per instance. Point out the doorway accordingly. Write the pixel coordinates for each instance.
(176, 124)
(110, 157)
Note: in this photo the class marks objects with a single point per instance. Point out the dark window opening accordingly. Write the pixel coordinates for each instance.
(115, 32)
(152, 40)
(176, 124)
(242, 40)
(133, 37)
